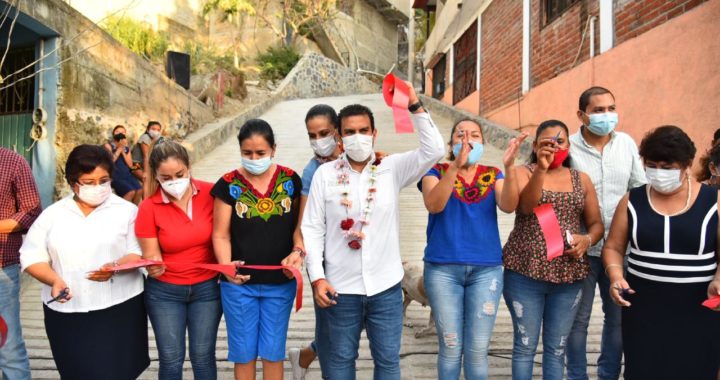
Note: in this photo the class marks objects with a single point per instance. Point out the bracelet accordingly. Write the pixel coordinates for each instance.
(300, 251)
(590, 243)
(610, 266)
(314, 283)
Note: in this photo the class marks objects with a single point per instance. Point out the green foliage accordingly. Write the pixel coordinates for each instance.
(230, 7)
(205, 59)
(138, 37)
(277, 62)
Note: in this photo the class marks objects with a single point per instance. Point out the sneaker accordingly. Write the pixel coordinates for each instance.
(297, 371)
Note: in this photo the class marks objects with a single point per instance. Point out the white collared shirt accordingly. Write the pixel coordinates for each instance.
(74, 244)
(613, 172)
(377, 265)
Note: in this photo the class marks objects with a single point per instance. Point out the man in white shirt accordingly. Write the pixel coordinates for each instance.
(351, 232)
(612, 161)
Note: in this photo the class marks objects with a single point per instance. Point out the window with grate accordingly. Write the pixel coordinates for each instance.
(438, 79)
(555, 8)
(20, 97)
(465, 64)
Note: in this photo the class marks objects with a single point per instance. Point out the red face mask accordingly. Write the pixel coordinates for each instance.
(559, 157)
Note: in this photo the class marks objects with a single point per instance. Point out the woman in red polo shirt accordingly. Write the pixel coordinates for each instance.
(175, 225)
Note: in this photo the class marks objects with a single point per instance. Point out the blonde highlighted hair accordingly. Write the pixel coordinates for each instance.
(160, 152)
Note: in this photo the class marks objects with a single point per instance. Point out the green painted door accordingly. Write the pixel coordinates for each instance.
(15, 133)
(17, 100)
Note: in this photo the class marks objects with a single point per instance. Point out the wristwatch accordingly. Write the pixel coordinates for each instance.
(415, 106)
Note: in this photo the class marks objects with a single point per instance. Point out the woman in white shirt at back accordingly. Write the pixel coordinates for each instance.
(95, 321)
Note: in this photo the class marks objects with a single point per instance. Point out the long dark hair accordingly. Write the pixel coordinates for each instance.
(322, 110)
(258, 127)
(545, 125)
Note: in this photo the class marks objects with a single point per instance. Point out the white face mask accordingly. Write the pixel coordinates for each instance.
(154, 133)
(358, 147)
(177, 187)
(94, 195)
(325, 146)
(664, 180)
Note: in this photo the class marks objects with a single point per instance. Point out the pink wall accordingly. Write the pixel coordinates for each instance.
(470, 103)
(668, 75)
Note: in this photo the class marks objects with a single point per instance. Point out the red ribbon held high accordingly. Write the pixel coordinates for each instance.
(3, 332)
(226, 269)
(397, 94)
(551, 230)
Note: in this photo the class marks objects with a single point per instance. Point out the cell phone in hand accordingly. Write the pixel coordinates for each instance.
(568, 239)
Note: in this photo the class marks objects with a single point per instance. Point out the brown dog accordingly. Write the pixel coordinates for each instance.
(414, 290)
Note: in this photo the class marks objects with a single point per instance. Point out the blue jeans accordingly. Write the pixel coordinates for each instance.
(14, 362)
(381, 316)
(464, 301)
(321, 344)
(175, 308)
(610, 358)
(534, 304)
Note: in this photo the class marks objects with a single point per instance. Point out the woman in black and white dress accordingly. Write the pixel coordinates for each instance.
(672, 227)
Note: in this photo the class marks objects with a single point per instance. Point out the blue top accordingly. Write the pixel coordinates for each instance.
(307, 175)
(466, 232)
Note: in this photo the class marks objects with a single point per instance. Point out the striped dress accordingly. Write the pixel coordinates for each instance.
(667, 334)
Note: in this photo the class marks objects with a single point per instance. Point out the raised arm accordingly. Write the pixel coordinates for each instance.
(411, 166)
(507, 190)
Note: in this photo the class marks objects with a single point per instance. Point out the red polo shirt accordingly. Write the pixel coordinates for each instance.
(181, 238)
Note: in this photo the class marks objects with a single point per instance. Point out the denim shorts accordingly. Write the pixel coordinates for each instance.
(257, 316)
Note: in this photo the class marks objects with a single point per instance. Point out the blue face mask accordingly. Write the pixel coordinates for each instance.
(475, 153)
(602, 124)
(258, 166)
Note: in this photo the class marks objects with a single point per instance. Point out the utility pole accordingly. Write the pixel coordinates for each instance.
(411, 45)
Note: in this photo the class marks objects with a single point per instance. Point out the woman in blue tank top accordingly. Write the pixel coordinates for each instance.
(463, 258)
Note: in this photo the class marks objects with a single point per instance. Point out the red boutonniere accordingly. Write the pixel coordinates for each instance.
(347, 224)
(354, 244)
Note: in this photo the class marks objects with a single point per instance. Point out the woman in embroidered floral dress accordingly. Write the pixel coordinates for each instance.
(463, 268)
(256, 211)
(542, 291)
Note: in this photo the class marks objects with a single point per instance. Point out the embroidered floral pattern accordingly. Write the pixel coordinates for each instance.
(250, 203)
(479, 188)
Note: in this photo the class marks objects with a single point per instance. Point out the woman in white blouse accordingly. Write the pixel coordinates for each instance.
(95, 321)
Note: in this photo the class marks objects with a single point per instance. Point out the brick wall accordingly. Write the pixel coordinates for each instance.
(501, 57)
(635, 17)
(555, 44)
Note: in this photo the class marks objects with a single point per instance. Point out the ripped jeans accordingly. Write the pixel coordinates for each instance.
(533, 304)
(464, 301)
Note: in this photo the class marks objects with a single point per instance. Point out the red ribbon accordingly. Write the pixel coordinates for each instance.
(396, 94)
(3, 332)
(226, 269)
(551, 230)
(712, 302)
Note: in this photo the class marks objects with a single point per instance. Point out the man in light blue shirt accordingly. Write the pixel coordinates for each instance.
(612, 161)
